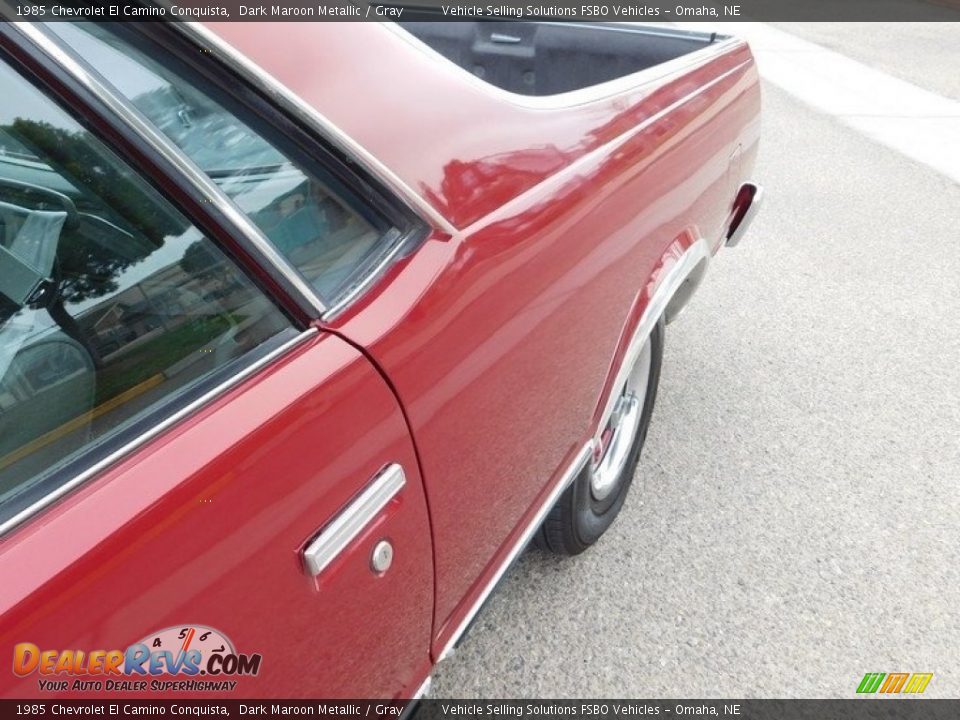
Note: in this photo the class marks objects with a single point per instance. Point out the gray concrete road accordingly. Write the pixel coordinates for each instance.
(800, 520)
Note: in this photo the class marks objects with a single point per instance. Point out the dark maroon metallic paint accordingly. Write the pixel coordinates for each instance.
(499, 337)
(206, 525)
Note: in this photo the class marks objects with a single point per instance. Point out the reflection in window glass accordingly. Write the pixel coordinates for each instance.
(302, 212)
(111, 302)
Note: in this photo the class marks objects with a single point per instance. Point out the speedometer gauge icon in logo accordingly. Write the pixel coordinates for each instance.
(190, 650)
(191, 637)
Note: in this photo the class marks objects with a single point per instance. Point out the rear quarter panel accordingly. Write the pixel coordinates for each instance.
(502, 332)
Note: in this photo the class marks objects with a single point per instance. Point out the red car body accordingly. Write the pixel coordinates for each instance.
(480, 363)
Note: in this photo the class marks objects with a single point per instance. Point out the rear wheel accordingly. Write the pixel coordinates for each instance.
(588, 507)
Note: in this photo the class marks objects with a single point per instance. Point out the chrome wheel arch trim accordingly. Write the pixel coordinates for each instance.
(673, 291)
(624, 425)
(692, 263)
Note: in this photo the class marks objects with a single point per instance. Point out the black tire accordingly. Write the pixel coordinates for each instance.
(577, 520)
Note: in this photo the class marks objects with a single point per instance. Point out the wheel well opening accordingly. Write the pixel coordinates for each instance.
(685, 291)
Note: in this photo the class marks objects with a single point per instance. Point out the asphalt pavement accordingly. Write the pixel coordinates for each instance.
(799, 518)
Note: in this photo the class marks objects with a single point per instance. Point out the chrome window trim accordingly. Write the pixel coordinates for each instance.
(568, 476)
(156, 430)
(340, 532)
(346, 299)
(203, 38)
(268, 256)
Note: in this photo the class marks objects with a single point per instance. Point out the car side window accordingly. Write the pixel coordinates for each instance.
(328, 235)
(114, 307)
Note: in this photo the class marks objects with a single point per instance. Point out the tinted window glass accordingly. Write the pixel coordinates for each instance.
(112, 304)
(303, 210)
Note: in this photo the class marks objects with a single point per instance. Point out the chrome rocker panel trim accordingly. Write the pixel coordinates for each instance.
(569, 475)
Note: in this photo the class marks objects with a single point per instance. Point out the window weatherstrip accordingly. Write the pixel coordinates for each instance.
(396, 244)
(267, 256)
(310, 117)
(154, 431)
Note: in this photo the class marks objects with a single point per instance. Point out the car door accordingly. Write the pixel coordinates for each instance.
(197, 485)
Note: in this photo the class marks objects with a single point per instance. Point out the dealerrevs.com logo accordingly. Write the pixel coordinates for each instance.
(186, 658)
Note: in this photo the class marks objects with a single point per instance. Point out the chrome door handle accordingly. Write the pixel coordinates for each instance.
(349, 523)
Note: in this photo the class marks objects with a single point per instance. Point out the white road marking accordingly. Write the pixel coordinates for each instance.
(918, 123)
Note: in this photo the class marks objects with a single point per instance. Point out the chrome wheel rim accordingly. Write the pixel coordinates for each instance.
(621, 430)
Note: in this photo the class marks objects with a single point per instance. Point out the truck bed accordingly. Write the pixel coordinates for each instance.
(544, 58)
